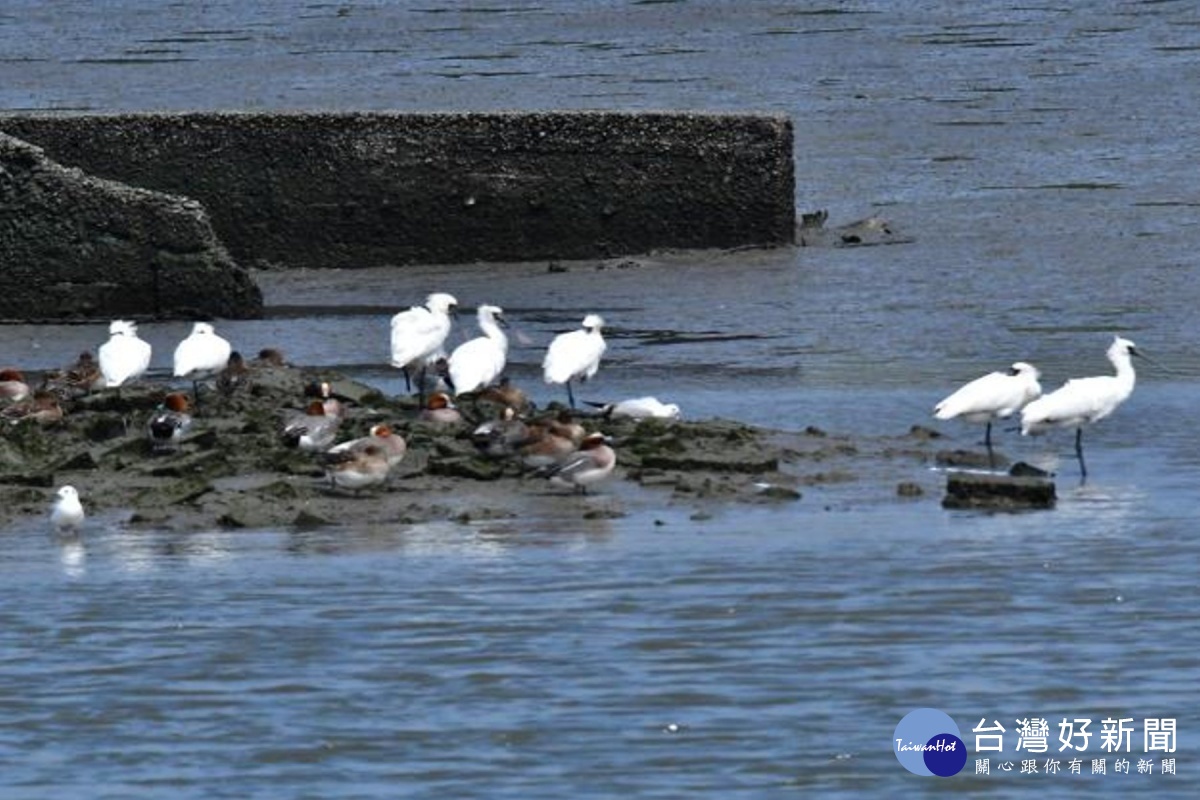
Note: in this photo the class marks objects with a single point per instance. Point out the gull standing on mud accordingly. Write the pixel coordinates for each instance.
(478, 363)
(125, 356)
(1083, 401)
(66, 514)
(419, 335)
(201, 355)
(997, 395)
(575, 355)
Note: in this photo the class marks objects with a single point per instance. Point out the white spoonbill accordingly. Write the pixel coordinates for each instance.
(125, 356)
(478, 363)
(66, 515)
(997, 395)
(575, 355)
(419, 334)
(201, 355)
(1083, 401)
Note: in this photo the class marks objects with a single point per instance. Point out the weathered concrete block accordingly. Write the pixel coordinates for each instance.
(998, 492)
(76, 246)
(351, 190)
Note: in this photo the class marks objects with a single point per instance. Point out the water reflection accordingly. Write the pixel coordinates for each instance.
(73, 556)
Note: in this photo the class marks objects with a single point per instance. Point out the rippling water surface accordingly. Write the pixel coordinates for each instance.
(1040, 157)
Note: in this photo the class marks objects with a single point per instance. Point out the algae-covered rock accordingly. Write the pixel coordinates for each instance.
(998, 492)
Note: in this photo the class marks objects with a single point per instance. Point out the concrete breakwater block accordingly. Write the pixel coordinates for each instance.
(76, 246)
(373, 189)
(998, 492)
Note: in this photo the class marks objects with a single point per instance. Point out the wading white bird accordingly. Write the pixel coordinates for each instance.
(478, 363)
(575, 355)
(419, 334)
(125, 356)
(66, 515)
(1083, 401)
(201, 355)
(997, 395)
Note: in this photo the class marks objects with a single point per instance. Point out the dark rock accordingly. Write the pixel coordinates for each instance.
(83, 460)
(76, 246)
(1024, 470)
(308, 521)
(970, 458)
(909, 489)
(998, 492)
(370, 189)
(777, 494)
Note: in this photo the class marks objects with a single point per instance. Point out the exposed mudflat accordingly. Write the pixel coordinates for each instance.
(233, 470)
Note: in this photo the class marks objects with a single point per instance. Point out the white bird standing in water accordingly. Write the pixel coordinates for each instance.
(125, 356)
(478, 363)
(201, 355)
(997, 395)
(575, 355)
(419, 334)
(66, 515)
(1083, 401)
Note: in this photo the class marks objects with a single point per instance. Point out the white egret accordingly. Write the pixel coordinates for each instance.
(1084, 401)
(201, 355)
(419, 334)
(575, 355)
(997, 395)
(125, 356)
(478, 363)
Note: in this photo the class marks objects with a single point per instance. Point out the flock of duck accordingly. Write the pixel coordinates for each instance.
(556, 447)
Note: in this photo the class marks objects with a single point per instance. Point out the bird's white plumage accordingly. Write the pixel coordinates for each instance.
(201, 354)
(66, 515)
(419, 334)
(125, 356)
(575, 355)
(997, 395)
(643, 407)
(479, 362)
(1084, 401)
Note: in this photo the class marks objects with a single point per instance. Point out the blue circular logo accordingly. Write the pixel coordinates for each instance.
(928, 742)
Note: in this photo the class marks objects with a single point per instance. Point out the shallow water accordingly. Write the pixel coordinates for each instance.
(1040, 159)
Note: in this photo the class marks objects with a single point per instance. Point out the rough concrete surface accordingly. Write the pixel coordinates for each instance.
(76, 246)
(370, 189)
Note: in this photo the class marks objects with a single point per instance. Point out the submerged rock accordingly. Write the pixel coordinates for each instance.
(998, 492)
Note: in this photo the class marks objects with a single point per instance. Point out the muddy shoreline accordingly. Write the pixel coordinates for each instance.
(233, 471)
